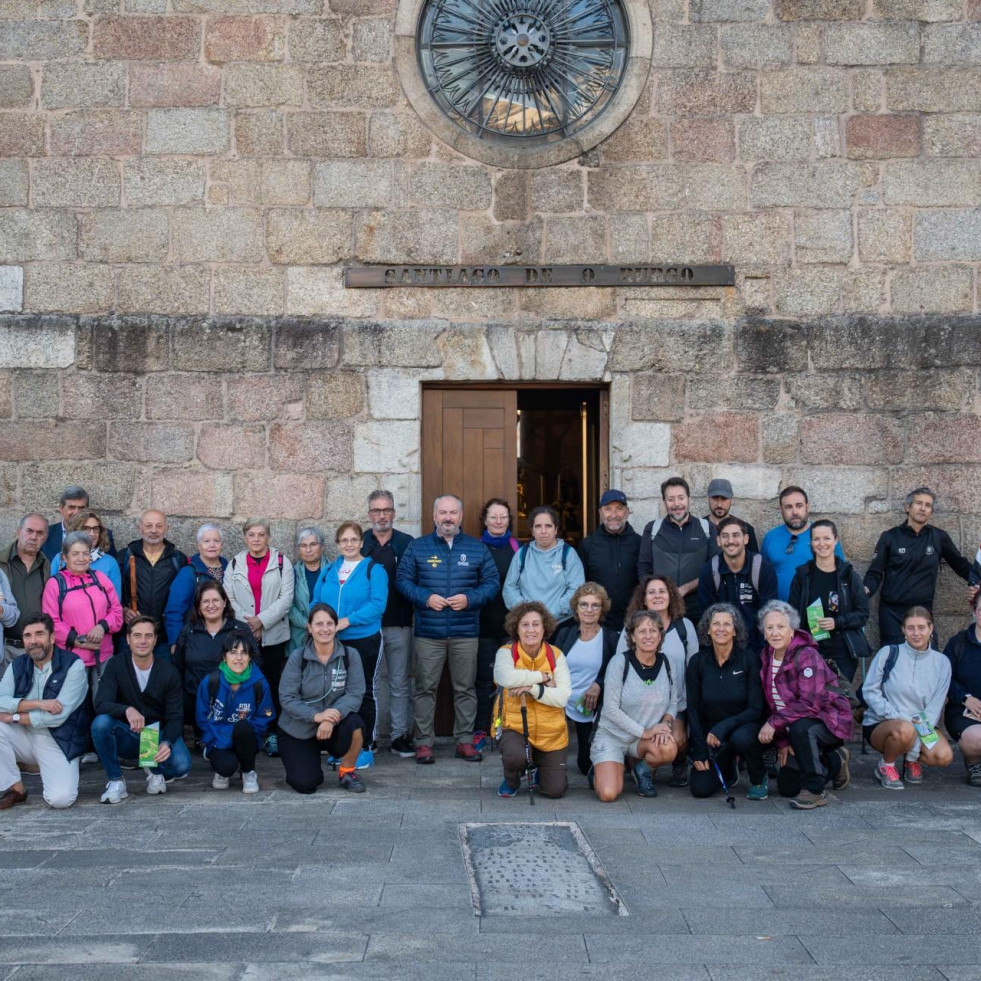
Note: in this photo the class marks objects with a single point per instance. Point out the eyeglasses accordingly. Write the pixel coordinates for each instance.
(349, 541)
(381, 510)
(91, 527)
(792, 544)
(583, 605)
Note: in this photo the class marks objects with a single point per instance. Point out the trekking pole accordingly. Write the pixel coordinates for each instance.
(714, 757)
(529, 767)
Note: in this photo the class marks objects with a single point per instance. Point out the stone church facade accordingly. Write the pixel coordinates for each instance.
(184, 182)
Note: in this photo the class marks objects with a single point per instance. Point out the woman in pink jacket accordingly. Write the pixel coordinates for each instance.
(84, 606)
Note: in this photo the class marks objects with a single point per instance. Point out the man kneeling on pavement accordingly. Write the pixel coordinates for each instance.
(44, 717)
(137, 691)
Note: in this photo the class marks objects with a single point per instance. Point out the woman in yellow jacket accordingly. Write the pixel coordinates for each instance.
(532, 668)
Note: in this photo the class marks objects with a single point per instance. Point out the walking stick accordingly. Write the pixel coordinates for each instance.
(714, 757)
(529, 766)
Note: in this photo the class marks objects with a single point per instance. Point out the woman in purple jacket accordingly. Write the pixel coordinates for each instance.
(807, 720)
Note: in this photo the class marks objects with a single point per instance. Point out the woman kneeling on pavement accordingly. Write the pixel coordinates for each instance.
(320, 691)
(904, 692)
(725, 705)
(963, 717)
(640, 699)
(589, 645)
(808, 719)
(233, 711)
(533, 674)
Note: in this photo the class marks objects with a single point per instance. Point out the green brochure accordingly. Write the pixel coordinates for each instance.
(149, 744)
(815, 612)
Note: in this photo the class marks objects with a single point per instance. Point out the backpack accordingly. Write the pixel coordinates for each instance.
(497, 711)
(754, 572)
(523, 555)
(891, 658)
(214, 680)
(626, 671)
(679, 625)
(64, 589)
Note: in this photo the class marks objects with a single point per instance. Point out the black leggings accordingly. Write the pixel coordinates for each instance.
(245, 745)
(273, 661)
(584, 736)
(301, 757)
(741, 742)
(368, 648)
(814, 761)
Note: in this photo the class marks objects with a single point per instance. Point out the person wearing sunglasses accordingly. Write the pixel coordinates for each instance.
(788, 546)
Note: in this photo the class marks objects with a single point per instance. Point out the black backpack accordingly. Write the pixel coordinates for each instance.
(64, 589)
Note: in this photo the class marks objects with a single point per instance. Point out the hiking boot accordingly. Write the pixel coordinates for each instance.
(480, 740)
(806, 801)
(424, 754)
(505, 790)
(114, 793)
(218, 782)
(888, 776)
(973, 774)
(466, 751)
(679, 775)
(644, 776)
(12, 797)
(352, 783)
(250, 782)
(271, 746)
(366, 760)
(844, 777)
(758, 791)
(402, 746)
(770, 759)
(155, 783)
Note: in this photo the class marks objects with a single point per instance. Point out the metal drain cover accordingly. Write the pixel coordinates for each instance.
(536, 869)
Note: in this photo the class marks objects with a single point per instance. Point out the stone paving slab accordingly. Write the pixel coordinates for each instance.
(214, 885)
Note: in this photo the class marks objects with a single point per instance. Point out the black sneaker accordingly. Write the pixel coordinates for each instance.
(125, 764)
(973, 774)
(679, 775)
(770, 759)
(402, 746)
(352, 783)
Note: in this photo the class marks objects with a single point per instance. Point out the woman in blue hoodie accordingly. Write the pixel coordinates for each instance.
(234, 709)
(547, 570)
(208, 565)
(357, 588)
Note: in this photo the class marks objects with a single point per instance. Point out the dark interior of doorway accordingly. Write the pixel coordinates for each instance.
(558, 465)
(558, 458)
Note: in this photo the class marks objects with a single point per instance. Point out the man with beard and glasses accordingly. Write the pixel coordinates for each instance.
(789, 545)
(44, 717)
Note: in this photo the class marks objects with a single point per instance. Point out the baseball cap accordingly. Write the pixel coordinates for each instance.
(720, 488)
(612, 497)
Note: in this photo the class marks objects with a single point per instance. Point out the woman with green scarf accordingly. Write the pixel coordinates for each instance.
(234, 709)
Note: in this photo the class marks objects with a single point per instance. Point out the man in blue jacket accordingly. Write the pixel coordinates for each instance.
(448, 577)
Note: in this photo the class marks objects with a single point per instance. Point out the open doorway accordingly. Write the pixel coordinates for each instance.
(530, 444)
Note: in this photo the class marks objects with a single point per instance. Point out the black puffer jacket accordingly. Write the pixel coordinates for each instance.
(611, 560)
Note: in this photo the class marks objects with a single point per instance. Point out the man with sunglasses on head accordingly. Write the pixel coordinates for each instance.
(906, 565)
(789, 545)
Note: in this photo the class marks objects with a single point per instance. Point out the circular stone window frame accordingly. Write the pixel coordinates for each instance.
(513, 156)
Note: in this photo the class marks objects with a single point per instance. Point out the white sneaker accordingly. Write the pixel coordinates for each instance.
(250, 782)
(115, 792)
(219, 782)
(89, 758)
(155, 783)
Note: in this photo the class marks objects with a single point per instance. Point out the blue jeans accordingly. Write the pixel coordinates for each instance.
(113, 739)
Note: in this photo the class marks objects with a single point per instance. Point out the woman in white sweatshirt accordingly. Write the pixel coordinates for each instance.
(905, 692)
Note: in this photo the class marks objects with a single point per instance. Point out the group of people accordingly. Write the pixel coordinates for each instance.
(684, 647)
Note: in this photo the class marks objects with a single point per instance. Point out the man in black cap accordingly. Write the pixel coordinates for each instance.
(609, 555)
(720, 503)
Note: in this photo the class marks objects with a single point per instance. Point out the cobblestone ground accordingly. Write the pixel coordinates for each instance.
(208, 884)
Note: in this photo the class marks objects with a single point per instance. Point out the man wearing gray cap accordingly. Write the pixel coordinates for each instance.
(609, 555)
(720, 503)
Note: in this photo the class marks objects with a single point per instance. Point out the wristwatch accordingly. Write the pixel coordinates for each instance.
(15, 717)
